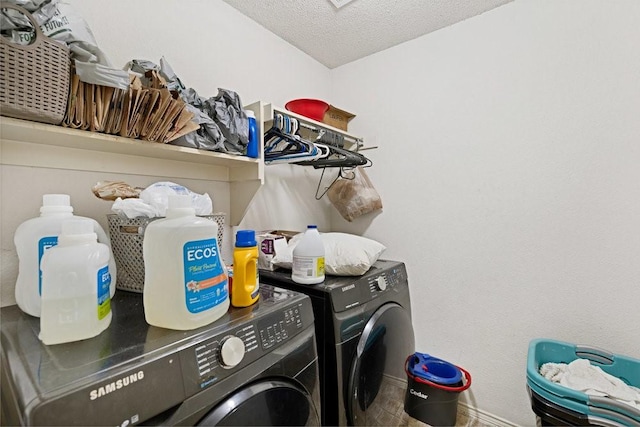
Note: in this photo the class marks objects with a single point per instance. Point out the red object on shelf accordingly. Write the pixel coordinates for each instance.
(311, 108)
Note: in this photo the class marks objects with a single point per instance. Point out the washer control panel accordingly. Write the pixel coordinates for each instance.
(212, 359)
(224, 352)
(370, 286)
(275, 330)
(390, 278)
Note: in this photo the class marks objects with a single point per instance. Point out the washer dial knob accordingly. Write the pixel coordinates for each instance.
(381, 283)
(231, 351)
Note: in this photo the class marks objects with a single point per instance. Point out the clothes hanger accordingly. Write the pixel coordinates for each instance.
(283, 147)
(278, 144)
(338, 157)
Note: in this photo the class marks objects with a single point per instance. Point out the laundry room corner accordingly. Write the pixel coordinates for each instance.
(488, 152)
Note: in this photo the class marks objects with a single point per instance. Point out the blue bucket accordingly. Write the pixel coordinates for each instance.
(433, 389)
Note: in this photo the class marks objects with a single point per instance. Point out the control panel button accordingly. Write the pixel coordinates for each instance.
(231, 351)
(381, 283)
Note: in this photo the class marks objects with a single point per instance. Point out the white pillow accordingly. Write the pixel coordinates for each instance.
(344, 254)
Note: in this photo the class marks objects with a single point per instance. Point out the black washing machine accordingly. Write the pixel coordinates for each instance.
(364, 334)
(254, 366)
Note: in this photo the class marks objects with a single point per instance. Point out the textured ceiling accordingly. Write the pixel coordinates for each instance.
(338, 36)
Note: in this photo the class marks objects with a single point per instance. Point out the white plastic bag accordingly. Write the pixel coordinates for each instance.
(154, 200)
(157, 196)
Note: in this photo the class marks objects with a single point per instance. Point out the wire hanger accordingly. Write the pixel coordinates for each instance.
(344, 173)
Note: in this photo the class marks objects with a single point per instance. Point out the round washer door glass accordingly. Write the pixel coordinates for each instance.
(266, 403)
(378, 382)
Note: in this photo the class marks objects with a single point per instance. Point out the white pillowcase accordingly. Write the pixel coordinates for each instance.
(344, 254)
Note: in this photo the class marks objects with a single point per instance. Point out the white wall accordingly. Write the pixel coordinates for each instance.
(508, 169)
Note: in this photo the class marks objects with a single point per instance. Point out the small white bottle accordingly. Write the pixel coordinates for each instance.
(76, 303)
(185, 280)
(308, 258)
(33, 237)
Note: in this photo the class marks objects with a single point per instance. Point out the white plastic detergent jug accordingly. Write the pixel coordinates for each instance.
(308, 258)
(76, 302)
(34, 236)
(185, 280)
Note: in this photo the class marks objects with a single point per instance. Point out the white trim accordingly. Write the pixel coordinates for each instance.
(482, 417)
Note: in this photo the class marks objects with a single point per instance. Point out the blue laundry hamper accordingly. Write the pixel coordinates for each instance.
(555, 404)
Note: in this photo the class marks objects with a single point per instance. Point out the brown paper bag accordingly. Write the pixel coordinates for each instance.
(132, 101)
(72, 103)
(170, 115)
(89, 105)
(182, 126)
(75, 105)
(156, 117)
(104, 95)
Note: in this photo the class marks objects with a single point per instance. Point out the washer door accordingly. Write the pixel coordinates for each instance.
(377, 383)
(266, 403)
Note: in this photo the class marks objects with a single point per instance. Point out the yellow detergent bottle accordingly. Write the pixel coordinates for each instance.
(246, 286)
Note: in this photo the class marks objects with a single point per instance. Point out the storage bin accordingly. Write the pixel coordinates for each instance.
(34, 78)
(127, 236)
(573, 406)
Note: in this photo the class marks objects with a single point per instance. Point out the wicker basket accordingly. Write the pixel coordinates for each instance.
(127, 236)
(34, 79)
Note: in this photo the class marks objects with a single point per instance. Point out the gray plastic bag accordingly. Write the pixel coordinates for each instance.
(224, 125)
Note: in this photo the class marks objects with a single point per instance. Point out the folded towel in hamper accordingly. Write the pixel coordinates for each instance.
(581, 375)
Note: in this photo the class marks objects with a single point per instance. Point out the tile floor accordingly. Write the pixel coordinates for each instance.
(462, 420)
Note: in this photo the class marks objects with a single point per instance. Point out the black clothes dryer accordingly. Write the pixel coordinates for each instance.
(254, 366)
(364, 334)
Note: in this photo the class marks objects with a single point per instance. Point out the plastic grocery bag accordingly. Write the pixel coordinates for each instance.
(154, 200)
(224, 125)
(142, 68)
(354, 197)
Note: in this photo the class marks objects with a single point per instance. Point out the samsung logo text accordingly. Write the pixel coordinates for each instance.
(116, 385)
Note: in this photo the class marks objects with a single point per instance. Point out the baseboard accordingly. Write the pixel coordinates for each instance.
(483, 417)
